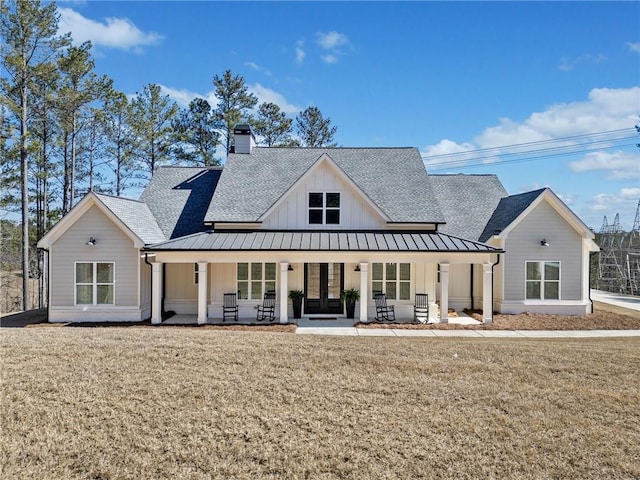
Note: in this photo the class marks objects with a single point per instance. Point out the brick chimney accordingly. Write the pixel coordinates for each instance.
(244, 138)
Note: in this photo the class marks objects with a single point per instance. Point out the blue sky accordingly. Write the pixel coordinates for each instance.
(448, 78)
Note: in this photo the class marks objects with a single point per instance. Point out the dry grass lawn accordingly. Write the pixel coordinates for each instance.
(107, 403)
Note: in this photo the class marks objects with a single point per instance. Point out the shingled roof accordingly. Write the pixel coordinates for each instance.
(179, 197)
(507, 211)
(467, 202)
(394, 179)
(136, 216)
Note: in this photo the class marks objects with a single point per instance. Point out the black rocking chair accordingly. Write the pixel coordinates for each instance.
(229, 307)
(421, 308)
(267, 311)
(384, 312)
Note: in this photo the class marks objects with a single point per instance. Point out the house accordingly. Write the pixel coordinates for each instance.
(319, 220)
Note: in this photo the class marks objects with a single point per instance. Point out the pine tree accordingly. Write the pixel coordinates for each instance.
(315, 130)
(151, 118)
(196, 135)
(28, 32)
(273, 125)
(119, 142)
(234, 104)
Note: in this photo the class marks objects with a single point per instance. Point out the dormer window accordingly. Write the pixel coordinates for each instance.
(324, 208)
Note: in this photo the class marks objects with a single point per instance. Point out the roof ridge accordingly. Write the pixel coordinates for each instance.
(208, 167)
(332, 148)
(137, 200)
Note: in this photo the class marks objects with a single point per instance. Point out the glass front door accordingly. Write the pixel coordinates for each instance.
(323, 283)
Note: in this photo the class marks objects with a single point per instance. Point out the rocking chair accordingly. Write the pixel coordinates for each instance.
(267, 311)
(384, 312)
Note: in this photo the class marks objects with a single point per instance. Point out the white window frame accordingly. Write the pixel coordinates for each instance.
(94, 283)
(250, 281)
(543, 280)
(397, 281)
(324, 208)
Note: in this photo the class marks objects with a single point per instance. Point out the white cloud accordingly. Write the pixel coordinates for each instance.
(605, 110)
(332, 40)
(611, 202)
(113, 33)
(619, 164)
(568, 64)
(183, 97)
(300, 53)
(329, 58)
(634, 47)
(265, 94)
(258, 68)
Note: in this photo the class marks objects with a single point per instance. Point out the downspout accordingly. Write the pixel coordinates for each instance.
(471, 285)
(164, 286)
(591, 254)
(48, 281)
(146, 260)
(492, 277)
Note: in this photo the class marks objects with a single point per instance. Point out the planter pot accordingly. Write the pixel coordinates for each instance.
(350, 305)
(297, 308)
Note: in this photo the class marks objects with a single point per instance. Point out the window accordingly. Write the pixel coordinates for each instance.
(95, 283)
(324, 208)
(543, 280)
(392, 279)
(195, 273)
(254, 279)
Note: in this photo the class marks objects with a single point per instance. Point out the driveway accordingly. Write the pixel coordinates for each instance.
(619, 300)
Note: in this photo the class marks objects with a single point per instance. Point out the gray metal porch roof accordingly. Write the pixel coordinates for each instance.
(338, 241)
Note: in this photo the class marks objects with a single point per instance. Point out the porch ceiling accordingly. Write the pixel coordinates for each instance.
(313, 241)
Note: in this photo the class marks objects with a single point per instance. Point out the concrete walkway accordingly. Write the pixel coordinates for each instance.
(399, 332)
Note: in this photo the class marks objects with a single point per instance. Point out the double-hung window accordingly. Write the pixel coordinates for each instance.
(94, 283)
(324, 208)
(392, 279)
(543, 280)
(254, 279)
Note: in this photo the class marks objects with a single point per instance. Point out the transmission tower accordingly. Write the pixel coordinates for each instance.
(611, 274)
(632, 260)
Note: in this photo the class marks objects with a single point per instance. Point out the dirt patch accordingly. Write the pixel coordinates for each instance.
(605, 317)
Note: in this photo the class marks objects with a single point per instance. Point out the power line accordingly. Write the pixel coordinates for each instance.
(532, 154)
(537, 142)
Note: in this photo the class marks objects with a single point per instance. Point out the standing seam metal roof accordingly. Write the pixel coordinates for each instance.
(336, 241)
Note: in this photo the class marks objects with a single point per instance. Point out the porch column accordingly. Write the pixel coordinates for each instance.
(444, 293)
(203, 268)
(364, 294)
(487, 293)
(156, 293)
(284, 291)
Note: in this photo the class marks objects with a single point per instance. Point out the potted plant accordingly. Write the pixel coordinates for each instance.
(350, 296)
(296, 297)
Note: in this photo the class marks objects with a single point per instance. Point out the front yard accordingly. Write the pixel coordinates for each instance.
(142, 402)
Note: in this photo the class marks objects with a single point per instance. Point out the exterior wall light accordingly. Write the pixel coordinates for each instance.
(91, 242)
(544, 243)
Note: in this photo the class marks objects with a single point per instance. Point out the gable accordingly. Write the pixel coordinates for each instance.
(393, 179)
(90, 201)
(558, 206)
(356, 210)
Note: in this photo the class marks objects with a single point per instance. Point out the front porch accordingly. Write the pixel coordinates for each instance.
(339, 321)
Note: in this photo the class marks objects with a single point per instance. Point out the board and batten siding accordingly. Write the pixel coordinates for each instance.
(355, 211)
(523, 244)
(112, 245)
